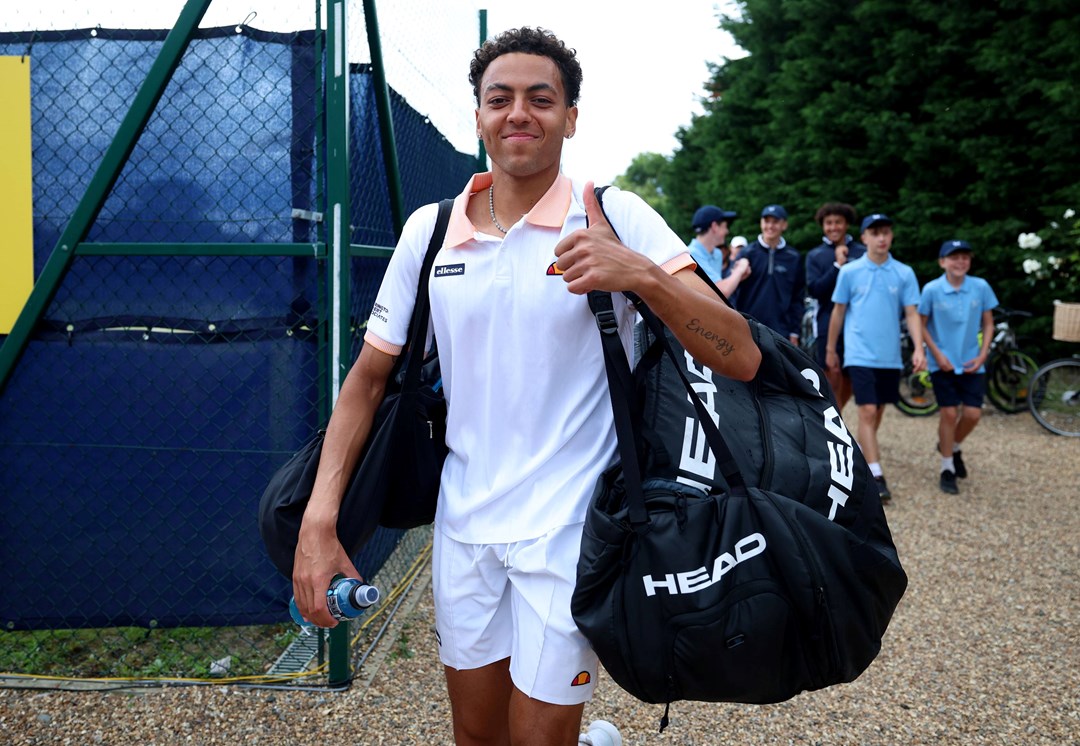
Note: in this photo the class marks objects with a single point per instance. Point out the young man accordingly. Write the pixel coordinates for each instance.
(529, 423)
(773, 293)
(709, 248)
(823, 264)
(954, 309)
(878, 289)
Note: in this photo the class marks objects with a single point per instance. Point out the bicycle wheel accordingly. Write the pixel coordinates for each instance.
(1007, 378)
(916, 394)
(916, 391)
(1055, 397)
(808, 329)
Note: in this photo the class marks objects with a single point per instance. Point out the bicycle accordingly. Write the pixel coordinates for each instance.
(1054, 398)
(808, 327)
(916, 391)
(1008, 368)
(1008, 371)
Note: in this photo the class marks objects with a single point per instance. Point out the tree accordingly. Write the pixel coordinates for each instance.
(644, 177)
(957, 119)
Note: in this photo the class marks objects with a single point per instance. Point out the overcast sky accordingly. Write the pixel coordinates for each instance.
(644, 64)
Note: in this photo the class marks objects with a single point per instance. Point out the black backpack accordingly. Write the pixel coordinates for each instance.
(763, 572)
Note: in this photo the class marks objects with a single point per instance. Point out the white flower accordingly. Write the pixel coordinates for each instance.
(1031, 266)
(1029, 241)
(1069, 213)
(1055, 261)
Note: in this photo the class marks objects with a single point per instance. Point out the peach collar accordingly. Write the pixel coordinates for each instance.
(549, 212)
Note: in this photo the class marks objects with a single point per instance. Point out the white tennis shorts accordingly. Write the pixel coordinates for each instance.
(497, 601)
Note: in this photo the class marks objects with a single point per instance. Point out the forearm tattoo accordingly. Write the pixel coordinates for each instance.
(724, 347)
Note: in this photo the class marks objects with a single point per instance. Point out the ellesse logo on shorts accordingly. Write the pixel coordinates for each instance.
(448, 270)
(581, 679)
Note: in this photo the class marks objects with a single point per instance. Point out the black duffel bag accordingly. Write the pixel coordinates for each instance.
(710, 584)
(396, 480)
(743, 596)
(738, 594)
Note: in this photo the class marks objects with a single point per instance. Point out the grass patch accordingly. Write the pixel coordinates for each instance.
(138, 652)
(401, 647)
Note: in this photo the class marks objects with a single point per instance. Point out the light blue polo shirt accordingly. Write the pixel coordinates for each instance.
(954, 318)
(875, 295)
(710, 261)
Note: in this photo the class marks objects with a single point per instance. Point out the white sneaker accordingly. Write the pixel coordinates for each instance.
(600, 733)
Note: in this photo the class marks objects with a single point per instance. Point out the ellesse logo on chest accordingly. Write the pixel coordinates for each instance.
(449, 270)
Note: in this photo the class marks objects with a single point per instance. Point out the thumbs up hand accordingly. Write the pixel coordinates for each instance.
(594, 258)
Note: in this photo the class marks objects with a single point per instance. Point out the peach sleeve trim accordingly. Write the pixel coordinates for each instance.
(682, 261)
(382, 345)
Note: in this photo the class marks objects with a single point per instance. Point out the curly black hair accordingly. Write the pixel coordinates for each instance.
(844, 210)
(527, 40)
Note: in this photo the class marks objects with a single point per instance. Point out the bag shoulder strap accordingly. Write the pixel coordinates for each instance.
(418, 323)
(620, 386)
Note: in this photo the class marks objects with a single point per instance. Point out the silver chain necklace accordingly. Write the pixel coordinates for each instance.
(491, 208)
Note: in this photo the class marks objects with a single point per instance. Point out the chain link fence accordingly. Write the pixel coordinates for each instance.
(183, 352)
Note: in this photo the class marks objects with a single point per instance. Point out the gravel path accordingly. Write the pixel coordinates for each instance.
(984, 649)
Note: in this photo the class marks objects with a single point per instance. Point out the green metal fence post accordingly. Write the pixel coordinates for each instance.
(481, 151)
(322, 231)
(338, 261)
(117, 154)
(386, 120)
(338, 210)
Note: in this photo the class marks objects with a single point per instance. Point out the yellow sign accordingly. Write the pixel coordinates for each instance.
(16, 191)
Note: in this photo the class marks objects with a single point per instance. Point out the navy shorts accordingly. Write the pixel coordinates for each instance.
(874, 385)
(952, 390)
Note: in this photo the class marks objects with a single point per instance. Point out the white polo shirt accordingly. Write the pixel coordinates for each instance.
(529, 426)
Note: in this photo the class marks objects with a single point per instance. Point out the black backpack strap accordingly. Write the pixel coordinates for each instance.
(708, 281)
(727, 463)
(418, 323)
(621, 389)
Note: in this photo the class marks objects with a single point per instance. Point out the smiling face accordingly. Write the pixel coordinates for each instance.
(956, 265)
(772, 229)
(721, 231)
(716, 236)
(834, 227)
(523, 116)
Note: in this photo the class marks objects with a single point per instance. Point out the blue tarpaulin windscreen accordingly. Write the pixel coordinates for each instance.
(159, 393)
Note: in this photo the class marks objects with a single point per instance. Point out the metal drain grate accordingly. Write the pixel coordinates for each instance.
(298, 656)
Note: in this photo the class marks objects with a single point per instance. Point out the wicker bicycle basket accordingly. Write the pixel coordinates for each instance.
(1066, 321)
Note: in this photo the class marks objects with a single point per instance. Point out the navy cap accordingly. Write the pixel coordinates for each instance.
(706, 215)
(774, 211)
(951, 247)
(876, 219)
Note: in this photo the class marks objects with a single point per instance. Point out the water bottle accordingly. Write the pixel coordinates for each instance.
(346, 598)
(600, 733)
